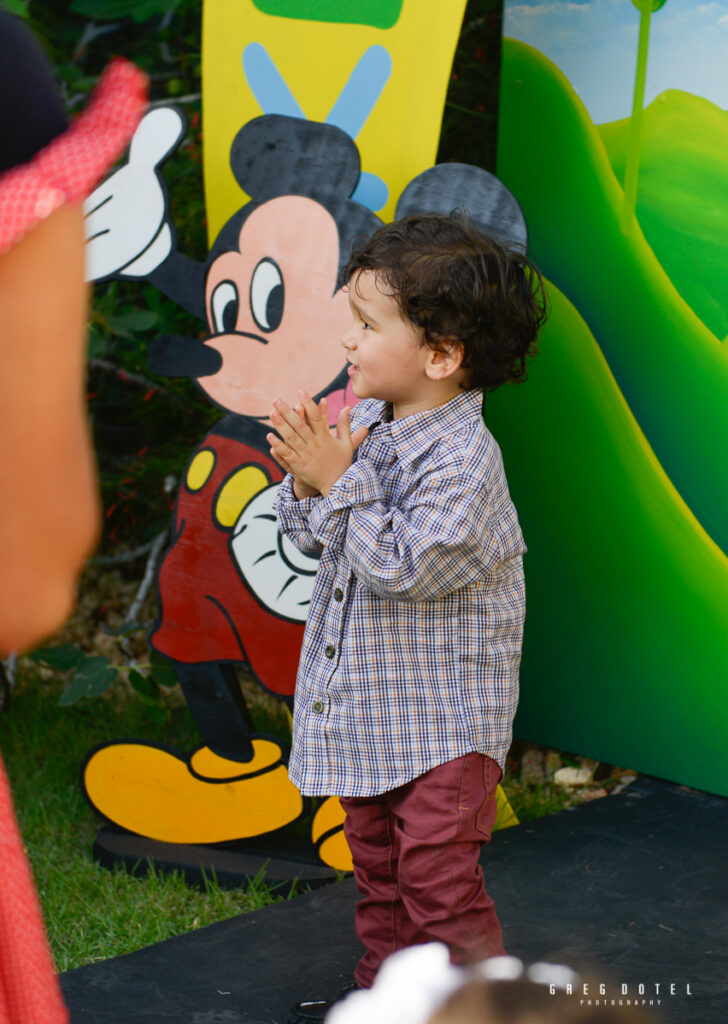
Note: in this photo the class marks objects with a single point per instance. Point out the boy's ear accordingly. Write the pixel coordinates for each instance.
(445, 360)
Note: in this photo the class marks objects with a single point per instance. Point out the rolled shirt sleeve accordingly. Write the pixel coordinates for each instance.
(293, 517)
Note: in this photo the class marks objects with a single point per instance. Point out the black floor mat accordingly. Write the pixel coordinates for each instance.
(632, 889)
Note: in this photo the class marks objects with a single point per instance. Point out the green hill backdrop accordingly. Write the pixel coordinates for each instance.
(682, 201)
(670, 368)
(615, 451)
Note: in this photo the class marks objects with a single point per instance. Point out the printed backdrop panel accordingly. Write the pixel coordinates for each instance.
(615, 446)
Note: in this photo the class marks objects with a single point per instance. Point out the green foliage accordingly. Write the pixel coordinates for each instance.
(110, 320)
(144, 426)
(470, 123)
(149, 692)
(92, 675)
(138, 10)
(19, 7)
(161, 671)
(124, 325)
(145, 686)
(61, 658)
(166, 45)
(534, 801)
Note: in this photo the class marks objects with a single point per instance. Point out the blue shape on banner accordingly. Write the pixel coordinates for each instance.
(362, 91)
(267, 83)
(350, 111)
(370, 191)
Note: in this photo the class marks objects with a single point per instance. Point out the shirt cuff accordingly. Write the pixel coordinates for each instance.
(328, 519)
(293, 515)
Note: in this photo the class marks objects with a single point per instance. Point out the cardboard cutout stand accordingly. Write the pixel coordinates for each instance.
(611, 447)
(232, 591)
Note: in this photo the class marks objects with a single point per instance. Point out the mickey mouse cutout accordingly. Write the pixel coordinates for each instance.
(231, 589)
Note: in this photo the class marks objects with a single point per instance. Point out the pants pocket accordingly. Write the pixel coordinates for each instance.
(485, 818)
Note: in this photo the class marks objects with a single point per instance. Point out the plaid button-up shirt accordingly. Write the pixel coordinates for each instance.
(413, 639)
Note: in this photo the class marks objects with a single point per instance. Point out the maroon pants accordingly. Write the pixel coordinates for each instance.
(416, 852)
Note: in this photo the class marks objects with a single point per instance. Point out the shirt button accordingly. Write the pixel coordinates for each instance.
(338, 594)
(317, 707)
(329, 650)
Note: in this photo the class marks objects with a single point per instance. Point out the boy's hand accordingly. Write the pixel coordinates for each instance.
(313, 454)
(300, 489)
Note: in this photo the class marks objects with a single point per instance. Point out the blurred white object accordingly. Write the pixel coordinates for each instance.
(414, 983)
(570, 777)
(410, 986)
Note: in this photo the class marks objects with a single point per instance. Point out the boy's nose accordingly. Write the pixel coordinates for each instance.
(347, 339)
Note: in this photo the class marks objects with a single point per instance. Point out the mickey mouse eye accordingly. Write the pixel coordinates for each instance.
(224, 303)
(266, 295)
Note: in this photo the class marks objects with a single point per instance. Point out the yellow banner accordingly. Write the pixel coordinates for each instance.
(385, 86)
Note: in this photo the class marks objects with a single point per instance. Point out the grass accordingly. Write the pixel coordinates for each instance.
(535, 800)
(92, 913)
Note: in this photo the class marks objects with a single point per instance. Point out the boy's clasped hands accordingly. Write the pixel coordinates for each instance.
(313, 454)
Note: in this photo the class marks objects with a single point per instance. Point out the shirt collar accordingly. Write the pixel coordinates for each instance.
(413, 435)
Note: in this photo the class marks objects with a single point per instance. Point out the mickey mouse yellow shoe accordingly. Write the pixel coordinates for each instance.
(327, 831)
(203, 799)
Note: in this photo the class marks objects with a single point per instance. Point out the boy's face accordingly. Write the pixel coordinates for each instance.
(388, 355)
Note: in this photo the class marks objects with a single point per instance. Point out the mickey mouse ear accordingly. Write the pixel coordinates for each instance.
(485, 199)
(275, 155)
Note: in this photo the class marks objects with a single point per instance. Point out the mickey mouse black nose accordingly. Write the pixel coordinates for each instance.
(175, 355)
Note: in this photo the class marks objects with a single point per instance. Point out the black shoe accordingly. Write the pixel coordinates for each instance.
(314, 1011)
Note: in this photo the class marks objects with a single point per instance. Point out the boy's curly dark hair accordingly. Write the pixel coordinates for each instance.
(457, 284)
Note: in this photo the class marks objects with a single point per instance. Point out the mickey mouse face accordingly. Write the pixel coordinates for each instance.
(272, 310)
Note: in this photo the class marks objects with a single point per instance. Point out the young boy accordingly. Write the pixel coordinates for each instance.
(408, 679)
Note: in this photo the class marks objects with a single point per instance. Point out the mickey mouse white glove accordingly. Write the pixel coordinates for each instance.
(127, 222)
(279, 575)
